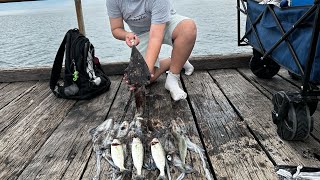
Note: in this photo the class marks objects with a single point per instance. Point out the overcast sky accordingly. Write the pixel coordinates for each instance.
(42, 4)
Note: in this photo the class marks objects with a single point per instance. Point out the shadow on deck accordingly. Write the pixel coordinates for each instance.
(228, 112)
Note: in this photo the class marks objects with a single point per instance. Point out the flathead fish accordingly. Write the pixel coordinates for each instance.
(158, 156)
(137, 156)
(117, 154)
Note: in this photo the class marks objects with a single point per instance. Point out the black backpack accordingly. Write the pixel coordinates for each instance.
(84, 77)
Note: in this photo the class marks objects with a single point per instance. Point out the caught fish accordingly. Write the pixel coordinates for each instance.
(159, 157)
(177, 131)
(174, 158)
(137, 156)
(98, 135)
(107, 124)
(117, 154)
(299, 174)
(192, 146)
(138, 75)
(123, 129)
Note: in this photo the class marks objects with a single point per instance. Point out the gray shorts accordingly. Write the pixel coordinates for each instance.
(167, 39)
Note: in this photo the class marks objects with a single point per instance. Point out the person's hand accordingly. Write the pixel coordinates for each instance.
(132, 39)
(152, 70)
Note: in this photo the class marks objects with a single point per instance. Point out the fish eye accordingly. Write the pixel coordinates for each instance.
(154, 143)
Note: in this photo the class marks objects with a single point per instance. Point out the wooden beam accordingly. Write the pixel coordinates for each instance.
(80, 17)
(8, 1)
(199, 62)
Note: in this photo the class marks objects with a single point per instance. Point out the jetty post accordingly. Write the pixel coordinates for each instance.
(80, 16)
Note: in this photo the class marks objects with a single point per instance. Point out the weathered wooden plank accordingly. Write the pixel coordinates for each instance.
(284, 74)
(279, 84)
(117, 112)
(20, 144)
(199, 62)
(20, 107)
(220, 61)
(67, 150)
(2, 85)
(233, 151)
(255, 109)
(162, 110)
(14, 90)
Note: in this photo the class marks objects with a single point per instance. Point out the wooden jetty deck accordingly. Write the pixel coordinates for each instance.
(228, 112)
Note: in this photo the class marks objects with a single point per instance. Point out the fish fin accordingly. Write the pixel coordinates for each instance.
(149, 164)
(181, 176)
(125, 171)
(108, 158)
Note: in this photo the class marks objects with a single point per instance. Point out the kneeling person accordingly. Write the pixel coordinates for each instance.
(153, 23)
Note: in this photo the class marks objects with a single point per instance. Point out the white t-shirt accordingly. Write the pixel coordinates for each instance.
(140, 14)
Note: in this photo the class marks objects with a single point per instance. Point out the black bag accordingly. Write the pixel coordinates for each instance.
(83, 77)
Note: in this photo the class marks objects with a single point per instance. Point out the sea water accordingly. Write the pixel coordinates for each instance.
(31, 32)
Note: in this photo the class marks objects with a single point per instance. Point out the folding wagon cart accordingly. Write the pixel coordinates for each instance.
(289, 38)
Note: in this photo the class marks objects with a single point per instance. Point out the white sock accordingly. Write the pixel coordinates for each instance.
(172, 85)
(188, 68)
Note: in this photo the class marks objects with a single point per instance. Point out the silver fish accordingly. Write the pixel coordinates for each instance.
(137, 156)
(159, 157)
(117, 154)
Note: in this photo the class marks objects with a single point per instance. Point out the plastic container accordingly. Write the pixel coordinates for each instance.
(301, 2)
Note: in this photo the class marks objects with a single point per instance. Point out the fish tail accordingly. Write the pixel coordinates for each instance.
(98, 169)
(192, 146)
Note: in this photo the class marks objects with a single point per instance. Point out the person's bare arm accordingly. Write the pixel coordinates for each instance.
(154, 45)
(118, 31)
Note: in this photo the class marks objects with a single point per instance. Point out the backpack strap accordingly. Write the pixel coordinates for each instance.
(57, 66)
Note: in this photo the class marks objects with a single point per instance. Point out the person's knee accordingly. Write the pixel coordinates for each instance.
(191, 28)
(187, 30)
